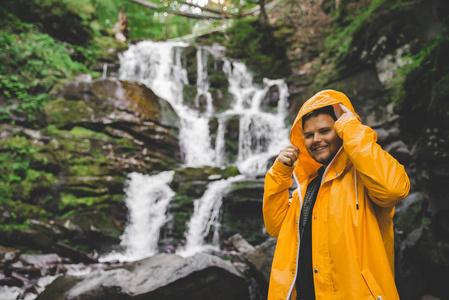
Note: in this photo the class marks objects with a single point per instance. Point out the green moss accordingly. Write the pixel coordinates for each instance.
(69, 200)
(61, 112)
(85, 170)
(18, 179)
(258, 48)
(31, 62)
(36, 180)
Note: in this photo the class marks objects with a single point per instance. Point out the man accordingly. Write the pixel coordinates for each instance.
(335, 235)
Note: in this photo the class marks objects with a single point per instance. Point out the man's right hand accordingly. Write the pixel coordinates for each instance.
(288, 155)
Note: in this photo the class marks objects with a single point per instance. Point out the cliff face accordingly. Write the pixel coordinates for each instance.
(390, 58)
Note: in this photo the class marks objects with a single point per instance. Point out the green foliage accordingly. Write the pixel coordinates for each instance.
(71, 201)
(144, 23)
(17, 178)
(420, 95)
(257, 48)
(352, 34)
(31, 62)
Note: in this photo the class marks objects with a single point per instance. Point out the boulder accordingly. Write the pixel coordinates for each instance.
(242, 211)
(163, 276)
(40, 259)
(261, 258)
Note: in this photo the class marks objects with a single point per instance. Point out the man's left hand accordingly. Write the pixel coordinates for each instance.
(345, 110)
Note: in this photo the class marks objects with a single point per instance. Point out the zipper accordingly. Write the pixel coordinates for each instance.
(299, 238)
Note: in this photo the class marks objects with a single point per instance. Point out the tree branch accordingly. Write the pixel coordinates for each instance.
(177, 12)
(218, 12)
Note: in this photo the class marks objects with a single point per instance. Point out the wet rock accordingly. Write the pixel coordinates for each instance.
(13, 280)
(232, 130)
(123, 105)
(73, 254)
(271, 98)
(7, 255)
(261, 258)
(190, 184)
(385, 136)
(30, 238)
(40, 259)
(400, 151)
(428, 250)
(242, 211)
(241, 244)
(163, 276)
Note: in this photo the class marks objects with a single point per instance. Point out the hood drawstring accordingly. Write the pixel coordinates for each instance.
(356, 194)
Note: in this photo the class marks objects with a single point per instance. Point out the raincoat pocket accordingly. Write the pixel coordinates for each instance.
(372, 285)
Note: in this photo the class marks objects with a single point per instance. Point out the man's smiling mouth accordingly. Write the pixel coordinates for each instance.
(320, 148)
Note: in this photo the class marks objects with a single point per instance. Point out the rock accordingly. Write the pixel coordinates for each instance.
(241, 244)
(385, 136)
(261, 258)
(163, 276)
(400, 151)
(242, 211)
(427, 249)
(232, 130)
(123, 105)
(409, 212)
(271, 99)
(8, 255)
(40, 259)
(73, 254)
(13, 281)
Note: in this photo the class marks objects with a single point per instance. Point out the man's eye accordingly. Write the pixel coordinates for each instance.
(308, 136)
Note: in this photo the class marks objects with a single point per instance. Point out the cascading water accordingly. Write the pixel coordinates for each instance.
(261, 135)
(147, 199)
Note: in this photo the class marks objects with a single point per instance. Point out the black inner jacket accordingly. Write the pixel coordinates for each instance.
(304, 282)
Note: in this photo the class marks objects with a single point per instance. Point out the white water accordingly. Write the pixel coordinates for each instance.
(262, 134)
(205, 219)
(147, 199)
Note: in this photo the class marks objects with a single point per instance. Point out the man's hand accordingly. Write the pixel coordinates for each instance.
(288, 155)
(345, 110)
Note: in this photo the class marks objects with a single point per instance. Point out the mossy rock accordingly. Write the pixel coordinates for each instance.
(63, 113)
(109, 47)
(181, 209)
(189, 93)
(35, 186)
(232, 132)
(263, 52)
(190, 64)
(213, 130)
(100, 226)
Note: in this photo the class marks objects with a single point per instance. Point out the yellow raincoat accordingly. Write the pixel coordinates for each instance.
(352, 227)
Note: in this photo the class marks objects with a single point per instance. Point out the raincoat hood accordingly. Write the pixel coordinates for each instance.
(306, 165)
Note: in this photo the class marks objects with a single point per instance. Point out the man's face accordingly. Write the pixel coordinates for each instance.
(321, 140)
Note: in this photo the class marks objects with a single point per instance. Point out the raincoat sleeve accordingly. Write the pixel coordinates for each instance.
(382, 175)
(276, 196)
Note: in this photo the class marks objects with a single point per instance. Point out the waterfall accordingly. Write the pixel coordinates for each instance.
(147, 199)
(205, 219)
(105, 71)
(158, 65)
(262, 133)
(202, 81)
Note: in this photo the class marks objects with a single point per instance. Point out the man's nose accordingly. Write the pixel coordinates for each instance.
(316, 137)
